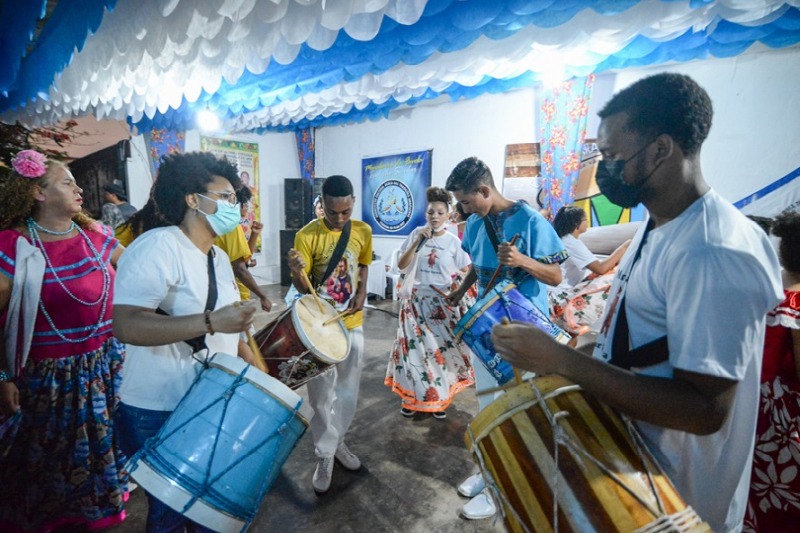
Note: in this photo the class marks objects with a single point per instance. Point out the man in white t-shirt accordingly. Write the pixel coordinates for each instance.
(684, 328)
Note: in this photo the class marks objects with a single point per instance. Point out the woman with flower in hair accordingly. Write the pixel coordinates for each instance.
(60, 366)
(428, 366)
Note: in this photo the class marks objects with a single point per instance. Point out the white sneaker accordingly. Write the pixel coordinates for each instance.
(348, 459)
(472, 486)
(322, 475)
(479, 507)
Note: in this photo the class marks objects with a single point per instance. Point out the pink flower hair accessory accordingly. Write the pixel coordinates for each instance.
(30, 164)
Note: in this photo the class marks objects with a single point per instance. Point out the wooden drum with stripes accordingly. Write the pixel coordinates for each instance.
(556, 459)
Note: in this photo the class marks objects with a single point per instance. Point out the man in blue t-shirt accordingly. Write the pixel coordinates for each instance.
(530, 263)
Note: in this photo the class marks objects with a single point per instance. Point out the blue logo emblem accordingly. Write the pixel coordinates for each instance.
(392, 205)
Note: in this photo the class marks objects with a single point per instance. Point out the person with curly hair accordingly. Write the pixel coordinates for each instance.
(679, 350)
(579, 300)
(775, 481)
(428, 366)
(60, 366)
(163, 311)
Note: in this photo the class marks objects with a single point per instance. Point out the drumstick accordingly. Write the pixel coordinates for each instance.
(313, 292)
(251, 342)
(260, 364)
(497, 270)
(335, 318)
(439, 292)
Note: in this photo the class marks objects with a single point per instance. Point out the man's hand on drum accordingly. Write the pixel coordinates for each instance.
(526, 347)
(234, 318)
(509, 255)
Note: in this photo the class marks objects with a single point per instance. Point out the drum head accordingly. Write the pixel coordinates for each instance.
(329, 343)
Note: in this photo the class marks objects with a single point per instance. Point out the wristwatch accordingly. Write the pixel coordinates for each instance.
(5, 377)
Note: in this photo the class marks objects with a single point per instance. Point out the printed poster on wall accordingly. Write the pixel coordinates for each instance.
(394, 192)
(245, 156)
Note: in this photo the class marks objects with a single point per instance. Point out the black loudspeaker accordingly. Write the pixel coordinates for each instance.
(297, 202)
(287, 243)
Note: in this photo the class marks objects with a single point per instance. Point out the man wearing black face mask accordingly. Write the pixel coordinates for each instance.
(681, 343)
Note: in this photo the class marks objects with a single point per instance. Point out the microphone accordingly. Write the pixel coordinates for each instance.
(419, 246)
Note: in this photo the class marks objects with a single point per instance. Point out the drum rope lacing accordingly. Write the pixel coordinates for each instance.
(198, 491)
(561, 438)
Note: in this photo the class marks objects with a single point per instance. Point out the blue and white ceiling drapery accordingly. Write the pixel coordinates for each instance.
(293, 64)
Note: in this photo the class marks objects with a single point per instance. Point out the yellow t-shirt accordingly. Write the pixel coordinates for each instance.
(235, 245)
(316, 244)
(124, 234)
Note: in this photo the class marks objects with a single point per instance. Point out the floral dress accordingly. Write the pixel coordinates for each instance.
(428, 366)
(774, 503)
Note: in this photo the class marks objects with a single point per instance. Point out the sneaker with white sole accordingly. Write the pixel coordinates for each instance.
(322, 475)
(348, 459)
(472, 486)
(479, 507)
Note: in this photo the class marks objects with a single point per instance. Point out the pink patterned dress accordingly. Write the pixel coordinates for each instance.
(774, 504)
(63, 468)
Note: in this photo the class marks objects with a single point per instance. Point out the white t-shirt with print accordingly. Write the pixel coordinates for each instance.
(573, 270)
(439, 259)
(163, 268)
(705, 280)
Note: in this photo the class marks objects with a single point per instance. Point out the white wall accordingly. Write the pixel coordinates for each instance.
(481, 127)
(755, 138)
(755, 135)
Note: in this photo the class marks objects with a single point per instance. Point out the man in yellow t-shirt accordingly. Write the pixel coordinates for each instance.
(235, 245)
(334, 395)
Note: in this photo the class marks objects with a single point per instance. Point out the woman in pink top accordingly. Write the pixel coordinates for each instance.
(60, 370)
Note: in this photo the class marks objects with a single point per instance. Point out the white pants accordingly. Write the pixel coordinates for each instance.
(483, 380)
(334, 395)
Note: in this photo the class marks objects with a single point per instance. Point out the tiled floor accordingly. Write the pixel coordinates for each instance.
(411, 466)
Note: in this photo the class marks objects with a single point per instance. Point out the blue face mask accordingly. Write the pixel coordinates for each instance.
(225, 219)
(612, 184)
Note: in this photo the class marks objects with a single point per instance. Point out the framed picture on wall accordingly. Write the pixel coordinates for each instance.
(393, 192)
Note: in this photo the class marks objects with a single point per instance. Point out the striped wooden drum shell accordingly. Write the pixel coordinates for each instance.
(599, 477)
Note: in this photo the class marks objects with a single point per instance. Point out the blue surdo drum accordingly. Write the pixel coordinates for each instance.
(501, 301)
(223, 447)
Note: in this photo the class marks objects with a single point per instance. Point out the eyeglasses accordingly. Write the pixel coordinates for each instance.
(229, 197)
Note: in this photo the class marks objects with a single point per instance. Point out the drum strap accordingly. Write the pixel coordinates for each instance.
(491, 232)
(199, 343)
(338, 252)
(652, 353)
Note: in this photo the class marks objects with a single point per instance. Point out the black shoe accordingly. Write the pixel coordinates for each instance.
(439, 415)
(406, 412)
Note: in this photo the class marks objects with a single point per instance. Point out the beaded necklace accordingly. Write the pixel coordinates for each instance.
(103, 299)
(41, 228)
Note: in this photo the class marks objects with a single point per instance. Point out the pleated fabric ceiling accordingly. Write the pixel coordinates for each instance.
(290, 64)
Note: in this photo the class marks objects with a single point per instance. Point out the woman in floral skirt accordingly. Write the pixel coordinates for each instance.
(428, 366)
(60, 370)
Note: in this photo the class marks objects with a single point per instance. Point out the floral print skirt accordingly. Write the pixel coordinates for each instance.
(427, 366)
(64, 467)
(575, 310)
(774, 503)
